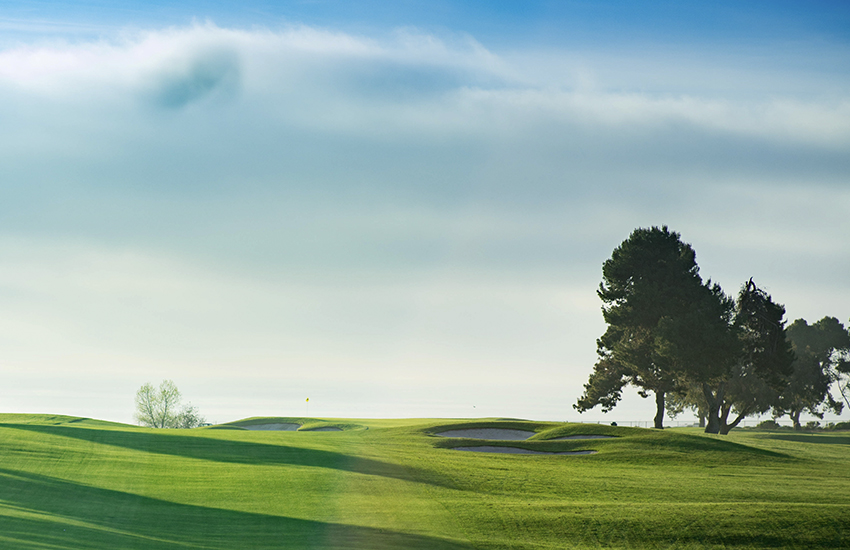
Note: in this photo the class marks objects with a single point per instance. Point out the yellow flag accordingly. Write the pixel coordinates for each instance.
(308, 400)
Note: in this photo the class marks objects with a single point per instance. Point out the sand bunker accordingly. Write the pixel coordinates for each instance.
(282, 427)
(581, 437)
(518, 451)
(497, 434)
(323, 429)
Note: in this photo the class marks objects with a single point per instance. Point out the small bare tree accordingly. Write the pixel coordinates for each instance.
(160, 408)
(147, 405)
(190, 417)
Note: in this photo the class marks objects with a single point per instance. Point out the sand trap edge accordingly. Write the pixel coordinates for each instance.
(517, 451)
(566, 437)
(276, 427)
(493, 434)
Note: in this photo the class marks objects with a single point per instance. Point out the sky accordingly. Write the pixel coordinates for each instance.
(395, 209)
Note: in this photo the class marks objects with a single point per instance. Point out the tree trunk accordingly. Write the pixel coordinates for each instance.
(702, 415)
(659, 410)
(713, 425)
(723, 417)
(713, 412)
(795, 416)
(725, 428)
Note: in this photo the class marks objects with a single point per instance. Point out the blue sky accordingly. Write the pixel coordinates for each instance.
(579, 24)
(394, 209)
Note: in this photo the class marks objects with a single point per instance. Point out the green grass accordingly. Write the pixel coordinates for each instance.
(72, 483)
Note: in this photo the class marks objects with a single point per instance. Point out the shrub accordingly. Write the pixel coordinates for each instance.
(768, 425)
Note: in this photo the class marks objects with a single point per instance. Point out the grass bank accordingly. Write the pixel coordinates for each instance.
(72, 483)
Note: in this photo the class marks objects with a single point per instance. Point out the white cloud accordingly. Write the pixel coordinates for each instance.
(243, 208)
(333, 81)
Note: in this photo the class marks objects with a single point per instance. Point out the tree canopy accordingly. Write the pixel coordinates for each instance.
(757, 367)
(671, 334)
(160, 408)
(648, 286)
(820, 350)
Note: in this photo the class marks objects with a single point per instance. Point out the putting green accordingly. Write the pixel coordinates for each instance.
(73, 483)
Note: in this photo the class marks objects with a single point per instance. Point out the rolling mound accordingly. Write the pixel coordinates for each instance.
(72, 482)
(287, 424)
(277, 427)
(502, 434)
(517, 450)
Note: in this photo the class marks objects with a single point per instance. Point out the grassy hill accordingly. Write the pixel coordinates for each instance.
(74, 483)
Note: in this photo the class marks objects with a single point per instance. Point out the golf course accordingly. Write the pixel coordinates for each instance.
(262, 483)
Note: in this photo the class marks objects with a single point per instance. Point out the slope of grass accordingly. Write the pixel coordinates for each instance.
(306, 424)
(71, 483)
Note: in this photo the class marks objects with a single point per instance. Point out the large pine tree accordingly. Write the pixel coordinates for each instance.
(648, 289)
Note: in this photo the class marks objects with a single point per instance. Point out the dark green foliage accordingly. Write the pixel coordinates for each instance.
(819, 349)
(605, 385)
(761, 365)
(673, 335)
(648, 288)
(740, 362)
(761, 378)
(761, 327)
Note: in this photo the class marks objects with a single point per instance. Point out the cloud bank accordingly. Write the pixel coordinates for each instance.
(262, 214)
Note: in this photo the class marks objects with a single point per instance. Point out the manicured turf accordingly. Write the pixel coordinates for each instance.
(69, 483)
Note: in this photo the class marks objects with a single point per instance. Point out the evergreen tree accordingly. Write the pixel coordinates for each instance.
(759, 367)
(648, 289)
(819, 349)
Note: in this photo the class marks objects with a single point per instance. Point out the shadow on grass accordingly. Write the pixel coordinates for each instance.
(237, 452)
(40, 512)
(701, 444)
(730, 526)
(810, 438)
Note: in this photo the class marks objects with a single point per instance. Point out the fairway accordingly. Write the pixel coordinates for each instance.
(74, 483)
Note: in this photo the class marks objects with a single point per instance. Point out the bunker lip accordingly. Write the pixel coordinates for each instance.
(323, 429)
(495, 434)
(566, 437)
(277, 426)
(517, 451)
